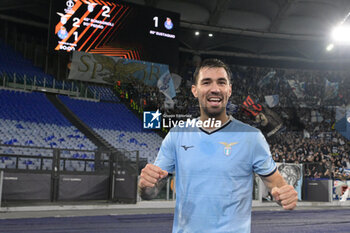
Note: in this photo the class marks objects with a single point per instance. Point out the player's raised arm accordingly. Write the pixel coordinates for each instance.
(152, 180)
(283, 193)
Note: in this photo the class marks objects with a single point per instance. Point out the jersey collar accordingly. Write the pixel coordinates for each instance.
(210, 131)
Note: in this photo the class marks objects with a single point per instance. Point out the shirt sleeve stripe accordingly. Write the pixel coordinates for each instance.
(269, 174)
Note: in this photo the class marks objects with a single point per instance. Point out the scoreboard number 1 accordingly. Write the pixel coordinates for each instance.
(75, 36)
(155, 19)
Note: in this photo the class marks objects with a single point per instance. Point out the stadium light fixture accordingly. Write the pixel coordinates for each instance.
(341, 34)
(197, 33)
(210, 34)
(330, 47)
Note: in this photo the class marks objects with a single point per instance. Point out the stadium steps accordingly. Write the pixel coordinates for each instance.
(101, 143)
(71, 117)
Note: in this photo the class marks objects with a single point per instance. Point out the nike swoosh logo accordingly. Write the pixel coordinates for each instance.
(186, 147)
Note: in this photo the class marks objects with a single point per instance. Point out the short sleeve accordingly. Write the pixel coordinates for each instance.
(263, 164)
(166, 155)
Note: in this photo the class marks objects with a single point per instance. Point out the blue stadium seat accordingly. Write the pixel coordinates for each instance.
(104, 93)
(29, 119)
(15, 66)
(117, 125)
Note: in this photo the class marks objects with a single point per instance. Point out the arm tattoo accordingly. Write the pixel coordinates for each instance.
(151, 193)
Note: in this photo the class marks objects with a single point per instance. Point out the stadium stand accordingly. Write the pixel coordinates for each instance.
(103, 93)
(310, 140)
(17, 69)
(117, 125)
(29, 119)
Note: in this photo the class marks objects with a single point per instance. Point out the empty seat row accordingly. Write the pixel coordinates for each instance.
(103, 93)
(117, 125)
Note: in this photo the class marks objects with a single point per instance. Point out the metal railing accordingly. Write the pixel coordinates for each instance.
(74, 89)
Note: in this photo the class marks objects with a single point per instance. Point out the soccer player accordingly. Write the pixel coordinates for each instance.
(214, 167)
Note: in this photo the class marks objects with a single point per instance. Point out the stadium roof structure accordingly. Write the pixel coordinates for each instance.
(287, 30)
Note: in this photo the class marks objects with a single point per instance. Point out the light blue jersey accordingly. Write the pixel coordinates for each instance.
(214, 175)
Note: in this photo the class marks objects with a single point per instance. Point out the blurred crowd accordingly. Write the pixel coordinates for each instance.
(308, 135)
(324, 155)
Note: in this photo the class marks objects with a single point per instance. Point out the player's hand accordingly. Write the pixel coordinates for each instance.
(150, 175)
(286, 195)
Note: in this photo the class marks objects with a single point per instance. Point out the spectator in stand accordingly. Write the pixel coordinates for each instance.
(324, 146)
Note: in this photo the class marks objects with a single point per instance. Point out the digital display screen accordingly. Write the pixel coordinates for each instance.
(115, 28)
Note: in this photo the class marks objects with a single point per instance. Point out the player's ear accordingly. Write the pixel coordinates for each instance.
(194, 91)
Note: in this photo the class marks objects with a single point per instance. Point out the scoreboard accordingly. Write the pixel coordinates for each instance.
(115, 28)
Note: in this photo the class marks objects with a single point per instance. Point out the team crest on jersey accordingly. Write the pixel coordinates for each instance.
(227, 148)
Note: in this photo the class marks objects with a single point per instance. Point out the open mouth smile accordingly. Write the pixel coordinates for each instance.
(214, 100)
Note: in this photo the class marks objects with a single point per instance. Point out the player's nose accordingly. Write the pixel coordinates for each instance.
(214, 88)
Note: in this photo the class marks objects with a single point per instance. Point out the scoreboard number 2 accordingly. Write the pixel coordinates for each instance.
(106, 10)
(76, 22)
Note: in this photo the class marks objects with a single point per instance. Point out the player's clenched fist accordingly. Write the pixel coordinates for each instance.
(286, 195)
(150, 175)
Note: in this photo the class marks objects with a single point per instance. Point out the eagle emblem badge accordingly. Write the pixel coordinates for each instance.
(227, 148)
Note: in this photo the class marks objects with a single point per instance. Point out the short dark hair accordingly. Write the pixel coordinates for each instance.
(211, 63)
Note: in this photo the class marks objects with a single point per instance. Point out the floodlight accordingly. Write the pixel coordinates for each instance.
(341, 34)
(330, 47)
